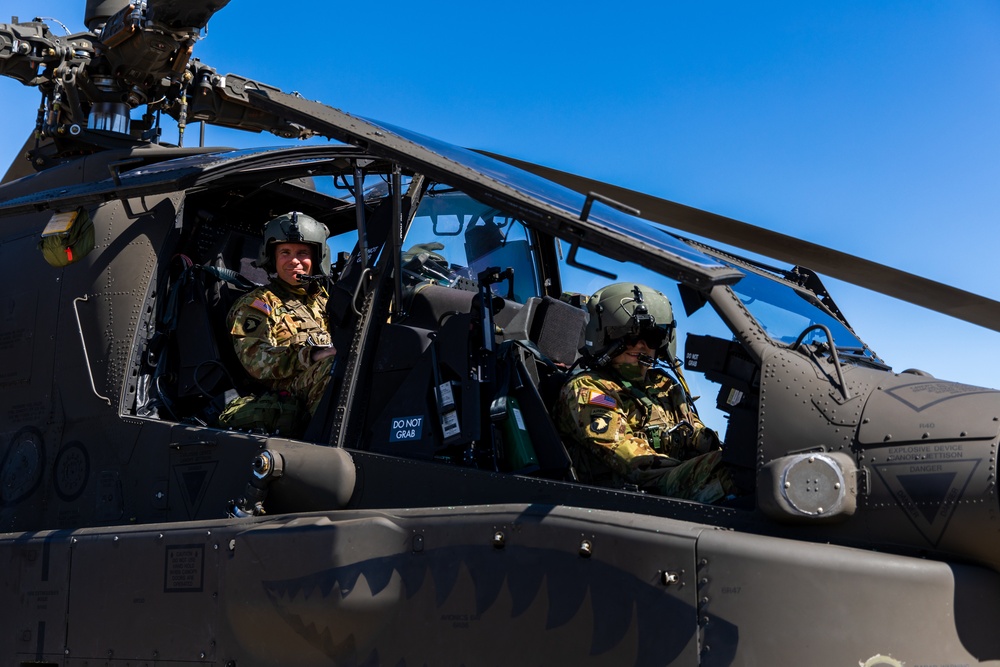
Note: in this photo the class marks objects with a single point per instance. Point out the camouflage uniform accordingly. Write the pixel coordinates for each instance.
(620, 431)
(274, 330)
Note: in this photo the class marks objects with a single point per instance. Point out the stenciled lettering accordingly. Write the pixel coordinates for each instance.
(922, 453)
(406, 428)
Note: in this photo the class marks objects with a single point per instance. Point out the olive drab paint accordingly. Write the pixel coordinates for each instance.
(429, 511)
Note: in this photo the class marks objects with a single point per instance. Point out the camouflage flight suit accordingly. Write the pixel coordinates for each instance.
(274, 330)
(621, 432)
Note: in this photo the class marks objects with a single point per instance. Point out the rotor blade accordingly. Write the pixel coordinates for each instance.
(855, 270)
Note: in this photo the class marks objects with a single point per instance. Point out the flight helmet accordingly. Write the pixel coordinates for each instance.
(622, 310)
(295, 227)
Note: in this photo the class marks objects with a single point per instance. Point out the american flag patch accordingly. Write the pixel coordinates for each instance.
(603, 400)
(261, 306)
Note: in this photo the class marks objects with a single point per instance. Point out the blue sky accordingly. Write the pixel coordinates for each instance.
(871, 128)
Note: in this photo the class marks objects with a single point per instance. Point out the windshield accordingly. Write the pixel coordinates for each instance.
(785, 313)
(453, 238)
(617, 232)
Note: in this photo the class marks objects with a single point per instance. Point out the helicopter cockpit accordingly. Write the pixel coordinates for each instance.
(457, 299)
(463, 355)
(187, 371)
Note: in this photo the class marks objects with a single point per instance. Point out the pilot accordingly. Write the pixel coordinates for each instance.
(280, 330)
(627, 423)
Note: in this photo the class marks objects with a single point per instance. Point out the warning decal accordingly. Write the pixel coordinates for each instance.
(184, 568)
(928, 492)
(192, 482)
(923, 395)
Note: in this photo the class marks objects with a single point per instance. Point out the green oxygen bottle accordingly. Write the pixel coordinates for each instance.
(519, 454)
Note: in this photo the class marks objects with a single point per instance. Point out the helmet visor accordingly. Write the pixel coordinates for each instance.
(653, 338)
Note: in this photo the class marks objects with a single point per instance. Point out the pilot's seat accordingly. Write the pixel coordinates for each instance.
(191, 366)
(432, 347)
(540, 344)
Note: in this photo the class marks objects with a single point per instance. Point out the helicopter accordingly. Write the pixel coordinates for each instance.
(395, 529)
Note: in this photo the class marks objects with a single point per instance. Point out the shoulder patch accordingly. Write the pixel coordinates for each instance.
(250, 324)
(261, 305)
(599, 423)
(601, 399)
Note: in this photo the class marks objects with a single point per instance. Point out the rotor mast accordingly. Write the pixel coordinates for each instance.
(133, 54)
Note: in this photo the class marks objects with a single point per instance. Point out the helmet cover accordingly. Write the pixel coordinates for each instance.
(627, 309)
(295, 227)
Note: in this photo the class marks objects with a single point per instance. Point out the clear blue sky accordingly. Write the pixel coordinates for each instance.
(868, 127)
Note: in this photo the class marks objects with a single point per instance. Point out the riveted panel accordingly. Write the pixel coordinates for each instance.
(768, 601)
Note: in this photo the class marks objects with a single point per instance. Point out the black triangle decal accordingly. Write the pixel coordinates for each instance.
(193, 481)
(928, 493)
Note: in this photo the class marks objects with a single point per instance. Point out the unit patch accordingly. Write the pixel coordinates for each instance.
(599, 422)
(250, 324)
